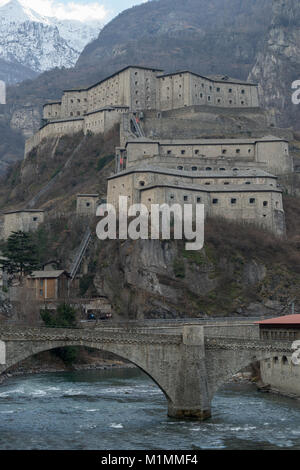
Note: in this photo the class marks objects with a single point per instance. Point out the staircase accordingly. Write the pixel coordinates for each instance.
(135, 126)
(80, 253)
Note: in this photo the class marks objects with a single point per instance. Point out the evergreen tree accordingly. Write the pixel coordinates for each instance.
(21, 254)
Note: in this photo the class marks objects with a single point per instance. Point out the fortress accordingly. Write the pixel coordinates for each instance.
(227, 154)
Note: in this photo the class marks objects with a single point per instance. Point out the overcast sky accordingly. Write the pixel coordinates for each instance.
(83, 10)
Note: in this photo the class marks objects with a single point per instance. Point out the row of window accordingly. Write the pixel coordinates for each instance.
(233, 200)
(196, 152)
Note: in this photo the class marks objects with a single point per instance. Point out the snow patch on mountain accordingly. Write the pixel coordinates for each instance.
(39, 42)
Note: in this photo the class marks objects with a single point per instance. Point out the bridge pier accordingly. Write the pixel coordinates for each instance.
(191, 398)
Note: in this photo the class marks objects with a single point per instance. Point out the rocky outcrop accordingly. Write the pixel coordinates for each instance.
(159, 279)
(277, 64)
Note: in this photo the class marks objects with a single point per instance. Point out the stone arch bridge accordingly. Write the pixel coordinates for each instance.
(189, 362)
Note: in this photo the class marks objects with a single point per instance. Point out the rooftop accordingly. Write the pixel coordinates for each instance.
(46, 274)
(211, 78)
(257, 173)
(215, 188)
(284, 320)
(267, 138)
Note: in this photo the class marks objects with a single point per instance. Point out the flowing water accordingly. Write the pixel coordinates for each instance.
(124, 409)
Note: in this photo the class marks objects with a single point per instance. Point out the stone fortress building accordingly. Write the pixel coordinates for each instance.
(236, 178)
(135, 89)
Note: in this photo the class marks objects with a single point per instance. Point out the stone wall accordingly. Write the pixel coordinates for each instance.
(187, 89)
(25, 221)
(281, 374)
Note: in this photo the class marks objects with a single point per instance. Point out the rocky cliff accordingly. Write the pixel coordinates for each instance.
(241, 271)
(277, 64)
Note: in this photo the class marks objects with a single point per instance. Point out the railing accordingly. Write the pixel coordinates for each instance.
(82, 249)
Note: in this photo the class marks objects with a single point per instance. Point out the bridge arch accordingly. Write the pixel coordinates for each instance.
(234, 363)
(42, 347)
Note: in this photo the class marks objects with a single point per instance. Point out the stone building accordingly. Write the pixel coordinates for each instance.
(86, 204)
(250, 196)
(137, 89)
(25, 220)
(180, 89)
(269, 153)
(278, 372)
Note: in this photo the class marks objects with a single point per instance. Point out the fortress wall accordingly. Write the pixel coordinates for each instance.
(111, 92)
(275, 155)
(186, 89)
(188, 164)
(143, 89)
(52, 111)
(53, 129)
(281, 374)
(21, 220)
(74, 103)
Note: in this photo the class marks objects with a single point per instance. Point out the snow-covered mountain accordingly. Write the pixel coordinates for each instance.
(38, 42)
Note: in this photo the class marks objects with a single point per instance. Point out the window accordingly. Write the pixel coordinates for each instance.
(215, 201)
(233, 200)
(224, 151)
(265, 203)
(142, 183)
(242, 102)
(219, 101)
(208, 168)
(35, 219)
(169, 152)
(180, 168)
(208, 98)
(230, 90)
(230, 101)
(78, 100)
(201, 95)
(198, 199)
(238, 151)
(248, 182)
(182, 152)
(171, 196)
(218, 89)
(252, 200)
(88, 204)
(194, 168)
(226, 182)
(196, 152)
(222, 169)
(207, 184)
(185, 198)
(243, 92)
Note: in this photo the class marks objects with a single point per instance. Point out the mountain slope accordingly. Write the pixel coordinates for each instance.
(278, 63)
(223, 36)
(40, 43)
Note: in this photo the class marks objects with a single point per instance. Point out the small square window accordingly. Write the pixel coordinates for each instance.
(185, 198)
(198, 199)
(215, 201)
(182, 152)
(233, 200)
(252, 200)
(265, 203)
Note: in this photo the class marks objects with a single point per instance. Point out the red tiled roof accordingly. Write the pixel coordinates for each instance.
(285, 320)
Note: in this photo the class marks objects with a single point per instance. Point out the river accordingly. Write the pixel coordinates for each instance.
(123, 409)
